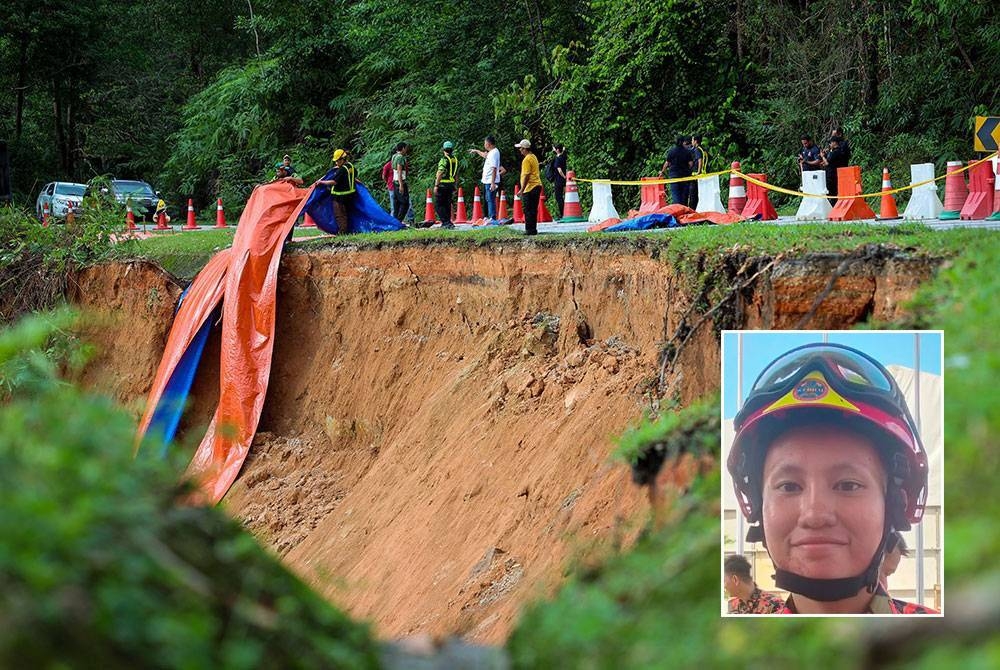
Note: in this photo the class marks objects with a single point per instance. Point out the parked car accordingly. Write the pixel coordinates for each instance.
(58, 195)
(139, 193)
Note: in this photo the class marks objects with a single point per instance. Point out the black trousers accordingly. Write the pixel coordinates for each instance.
(529, 200)
(402, 202)
(442, 203)
(560, 189)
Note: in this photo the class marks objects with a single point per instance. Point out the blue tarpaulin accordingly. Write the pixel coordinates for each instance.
(365, 215)
(645, 222)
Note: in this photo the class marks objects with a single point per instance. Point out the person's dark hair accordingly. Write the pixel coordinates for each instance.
(559, 147)
(738, 565)
(838, 131)
(896, 539)
(680, 140)
(491, 140)
(696, 138)
(806, 137)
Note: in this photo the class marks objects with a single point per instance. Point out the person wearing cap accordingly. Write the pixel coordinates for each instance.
(531, 187)
(342, 189)
(827, 463)
(746, 596)
(444, 184)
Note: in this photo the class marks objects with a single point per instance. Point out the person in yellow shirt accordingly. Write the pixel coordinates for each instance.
(531, 187)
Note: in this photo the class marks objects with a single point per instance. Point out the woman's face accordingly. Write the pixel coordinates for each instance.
(823, 502)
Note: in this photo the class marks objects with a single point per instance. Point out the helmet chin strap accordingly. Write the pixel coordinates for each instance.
(826, 590)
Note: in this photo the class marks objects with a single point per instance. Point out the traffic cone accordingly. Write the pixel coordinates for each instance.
(190, 225)
(477, 207)
(518, 207)
(502, 212)
(758, 204)
(888, 209)
(461, 215)
(846, 208)
(129, 219)
(572, 211)
(307, 221)
(737, 191)
(543, 211)
(220, 215)
(45, 214)
(161, 220)
(955, 192)
(429, 211)
(995, 216)
(70, 213)
(979, 204)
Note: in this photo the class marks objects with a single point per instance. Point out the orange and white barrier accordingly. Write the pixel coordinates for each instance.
(850, 209)
(654, 196)
(995, 216)
(572, 211)
(737, 191)
(604, 206)
(814, 209)
(758, 203)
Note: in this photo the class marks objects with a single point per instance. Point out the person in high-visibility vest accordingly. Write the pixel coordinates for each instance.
(342, 189)
(444, 184)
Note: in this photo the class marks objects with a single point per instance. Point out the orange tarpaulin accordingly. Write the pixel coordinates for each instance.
(247, 334)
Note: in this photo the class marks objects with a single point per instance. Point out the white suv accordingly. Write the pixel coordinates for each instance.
(59, 194)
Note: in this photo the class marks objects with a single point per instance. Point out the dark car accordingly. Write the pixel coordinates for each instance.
(140, 194)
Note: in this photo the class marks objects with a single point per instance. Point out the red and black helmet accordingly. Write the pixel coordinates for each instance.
(830, 379)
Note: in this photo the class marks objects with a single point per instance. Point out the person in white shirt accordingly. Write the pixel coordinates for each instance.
(491, 175)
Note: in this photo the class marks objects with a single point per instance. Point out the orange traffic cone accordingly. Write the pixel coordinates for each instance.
(161, 220)
(846, 208)
(543, 211)
(220, 215)
(129, 219)
(190, 225)
(572, 211)
(955, 192)
(307, 221)
(888, 209)
(758, 204)
(70, 214)
(461, 215)
(45, 214)
(518, 207)
(502, 213)
(737, 191)
(477, 207)
(429, 211)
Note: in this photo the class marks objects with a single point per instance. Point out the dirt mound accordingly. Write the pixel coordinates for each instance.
(434, 446)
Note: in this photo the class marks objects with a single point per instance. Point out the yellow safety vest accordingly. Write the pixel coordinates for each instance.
(350, 181)
(452, 169)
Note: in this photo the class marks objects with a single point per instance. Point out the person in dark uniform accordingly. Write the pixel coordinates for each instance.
(444, 184)
(678, 164)
(559, 167)
(836, 156)
(342, 189)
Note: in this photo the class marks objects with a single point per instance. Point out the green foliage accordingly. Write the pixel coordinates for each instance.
(102, 568)
(693, 431)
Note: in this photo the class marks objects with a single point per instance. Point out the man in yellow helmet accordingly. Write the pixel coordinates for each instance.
(342, 189)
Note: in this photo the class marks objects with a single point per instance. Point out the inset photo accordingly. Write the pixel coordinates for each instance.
(833, 449)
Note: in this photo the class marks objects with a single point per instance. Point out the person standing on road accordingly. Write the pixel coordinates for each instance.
(836, 156)
(387, 178)
(401, 185)
(809, 157)
(531, 187)
(559, 167)
(678, 164)
(342, 189)
(444, 184)
(491, 175)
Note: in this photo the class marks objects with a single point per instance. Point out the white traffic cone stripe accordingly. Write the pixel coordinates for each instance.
(737, 191)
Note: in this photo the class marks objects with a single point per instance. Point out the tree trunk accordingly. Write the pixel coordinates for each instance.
(57, 112)
(22, 83)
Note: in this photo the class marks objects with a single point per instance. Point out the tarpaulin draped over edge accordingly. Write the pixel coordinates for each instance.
(172, 382)
(364, 216)
(247, 334)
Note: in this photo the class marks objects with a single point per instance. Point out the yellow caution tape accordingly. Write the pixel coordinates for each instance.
(788, 191)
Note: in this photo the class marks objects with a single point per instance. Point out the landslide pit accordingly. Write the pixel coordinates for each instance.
(433, 451)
